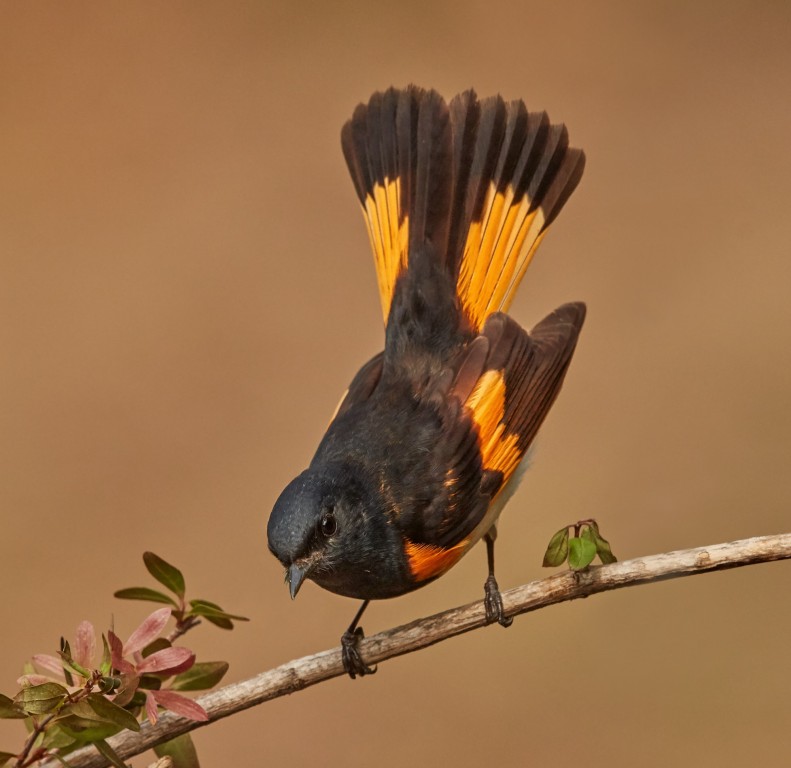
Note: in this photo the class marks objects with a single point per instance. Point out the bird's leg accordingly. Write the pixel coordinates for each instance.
(493, 601)
(350, 653)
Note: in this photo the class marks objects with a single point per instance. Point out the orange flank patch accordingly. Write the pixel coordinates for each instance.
(388, 231)
(497, 253)
(499, 451)
(427, 561)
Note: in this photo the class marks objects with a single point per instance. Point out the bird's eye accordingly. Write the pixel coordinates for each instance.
(328, 524)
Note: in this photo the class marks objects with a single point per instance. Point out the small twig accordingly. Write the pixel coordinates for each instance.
(25, 757)
(182, 627)
(558, 588)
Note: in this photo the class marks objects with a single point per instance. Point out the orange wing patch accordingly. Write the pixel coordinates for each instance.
(388, 231)
(497, 252)
(427, 561)
(499, 451)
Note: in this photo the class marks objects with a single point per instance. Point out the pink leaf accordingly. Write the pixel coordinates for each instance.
(148, 630)
(181, 705)
(116, 648)
(186, 664)
(151, 707)
(165, 660)
(84, 644)
(48, 663)
(117, 655)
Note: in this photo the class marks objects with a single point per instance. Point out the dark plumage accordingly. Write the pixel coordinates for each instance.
(427, 444)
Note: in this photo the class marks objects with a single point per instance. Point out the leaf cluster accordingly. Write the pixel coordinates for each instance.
(580, 549)
(78, 702)
(185, 612)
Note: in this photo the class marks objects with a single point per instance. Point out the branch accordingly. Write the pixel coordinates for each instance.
(559, 588)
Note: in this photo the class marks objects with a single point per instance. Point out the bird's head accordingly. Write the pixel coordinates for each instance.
(327, 526)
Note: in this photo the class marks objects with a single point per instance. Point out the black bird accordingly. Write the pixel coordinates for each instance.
(430, 439)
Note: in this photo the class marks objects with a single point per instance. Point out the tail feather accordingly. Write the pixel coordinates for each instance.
(481, 181)
(378, 193)
(397, 148)
(429, 207)
(534, 176)
(473, 188)
(465, 116)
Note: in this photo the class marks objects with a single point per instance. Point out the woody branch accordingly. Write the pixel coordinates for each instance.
(309, 670)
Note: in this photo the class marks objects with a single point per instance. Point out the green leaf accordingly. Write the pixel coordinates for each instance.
(212, 610)
(112, 713)
(144, 593)
(88, 731)
(6, 756)
(181, 750)
(557, 550)
(40, 699)
(165, 573)
(581, 553)
(202, 675)
(107, 664)
(65, 654)
(74, 666)
(219, 622)
(9, 710)
(85, 725)
(57, 738)
(109, 754)
(603, 549)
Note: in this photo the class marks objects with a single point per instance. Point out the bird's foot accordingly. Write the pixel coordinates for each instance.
(350, 654)
(493, 601)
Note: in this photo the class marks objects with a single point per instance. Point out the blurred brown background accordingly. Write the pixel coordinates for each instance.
(187, 289)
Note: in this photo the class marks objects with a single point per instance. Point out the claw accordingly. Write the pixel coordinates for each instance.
(350, 654)
(493, 602)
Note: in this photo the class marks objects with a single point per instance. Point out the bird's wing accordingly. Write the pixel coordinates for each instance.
(504, 387)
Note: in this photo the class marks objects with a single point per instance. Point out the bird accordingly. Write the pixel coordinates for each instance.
(431, 438)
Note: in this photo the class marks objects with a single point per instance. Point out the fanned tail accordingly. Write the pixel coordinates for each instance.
(480, 181)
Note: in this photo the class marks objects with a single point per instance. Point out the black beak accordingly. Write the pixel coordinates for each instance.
(295, 576)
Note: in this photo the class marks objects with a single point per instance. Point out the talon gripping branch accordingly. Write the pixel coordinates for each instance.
(429, 441)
